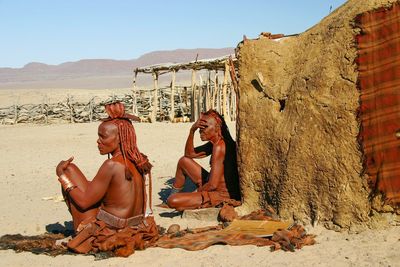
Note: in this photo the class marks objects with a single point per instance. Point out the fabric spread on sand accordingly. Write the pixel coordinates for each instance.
(288, 240)
(256, 227)
(97, 236)
(201, 238)
(379, 83)
(199, 241)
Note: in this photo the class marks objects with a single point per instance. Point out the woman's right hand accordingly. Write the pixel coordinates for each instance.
(199, 124)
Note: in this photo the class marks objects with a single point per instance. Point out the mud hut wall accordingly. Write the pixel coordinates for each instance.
(297, 130)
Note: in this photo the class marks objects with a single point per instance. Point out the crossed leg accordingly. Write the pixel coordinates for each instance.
(77, 178)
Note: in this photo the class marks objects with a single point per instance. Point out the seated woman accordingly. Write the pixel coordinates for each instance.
(114, 202)
(222, 183)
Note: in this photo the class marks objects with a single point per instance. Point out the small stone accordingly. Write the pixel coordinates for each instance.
(227, 214)
(174, 228)
(207, 214)
(387, 208)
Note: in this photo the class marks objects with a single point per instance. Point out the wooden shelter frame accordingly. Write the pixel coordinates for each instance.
(203, 95)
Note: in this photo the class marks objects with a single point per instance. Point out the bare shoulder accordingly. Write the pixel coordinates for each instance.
(111, 165)
(219, 148)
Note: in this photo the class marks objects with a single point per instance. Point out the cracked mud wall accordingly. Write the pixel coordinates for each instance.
(298, 125)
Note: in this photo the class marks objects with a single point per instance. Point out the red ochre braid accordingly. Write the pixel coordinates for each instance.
(129, 149)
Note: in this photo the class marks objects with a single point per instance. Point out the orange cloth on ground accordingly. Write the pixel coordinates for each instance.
(95, 235)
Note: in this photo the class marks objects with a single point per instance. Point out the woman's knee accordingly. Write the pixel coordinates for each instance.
(184, 161)
(76, 176)
(173, 201)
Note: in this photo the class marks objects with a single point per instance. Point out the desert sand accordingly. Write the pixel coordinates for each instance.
(30, 204)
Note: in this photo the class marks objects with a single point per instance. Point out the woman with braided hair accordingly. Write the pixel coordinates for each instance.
(113, 204)
(221, 184)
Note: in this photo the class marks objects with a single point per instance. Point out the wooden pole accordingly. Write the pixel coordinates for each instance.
(235, 92)
(149, 103)
(233, 103)
(218, 107)
(155, 97)
(172, 97)
(199, 96)
(181, 103)
(225, 112)
(160, 106)
(185, 97)
(193, 101)
(215, 91)
(207, 99)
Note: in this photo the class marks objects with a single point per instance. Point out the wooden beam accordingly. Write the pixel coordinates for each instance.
(206, 64)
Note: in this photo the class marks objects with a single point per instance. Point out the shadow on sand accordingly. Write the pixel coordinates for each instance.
(57, 228)
(166, 192)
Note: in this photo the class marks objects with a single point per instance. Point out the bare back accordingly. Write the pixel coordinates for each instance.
(124, 198)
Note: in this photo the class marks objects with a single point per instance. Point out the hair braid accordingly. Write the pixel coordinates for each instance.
(128, 145)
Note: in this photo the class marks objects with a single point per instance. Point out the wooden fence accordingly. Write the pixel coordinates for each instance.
(172, 103)
(138, 103)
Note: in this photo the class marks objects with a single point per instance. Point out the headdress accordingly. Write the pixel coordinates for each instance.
(222, 124)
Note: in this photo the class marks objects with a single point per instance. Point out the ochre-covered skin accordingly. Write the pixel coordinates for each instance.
(212, 188)
(110, 189)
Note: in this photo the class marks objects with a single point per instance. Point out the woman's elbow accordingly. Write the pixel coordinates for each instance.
(189, 155)
(83, 204)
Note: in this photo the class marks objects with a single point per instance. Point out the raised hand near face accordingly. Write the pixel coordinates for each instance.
(201, 123)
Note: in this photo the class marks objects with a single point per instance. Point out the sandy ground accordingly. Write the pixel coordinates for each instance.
(31, 152)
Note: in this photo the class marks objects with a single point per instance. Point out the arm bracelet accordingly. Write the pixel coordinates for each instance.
(66, 183)
(69, 189)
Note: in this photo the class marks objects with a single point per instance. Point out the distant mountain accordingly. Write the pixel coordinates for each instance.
(96, 73)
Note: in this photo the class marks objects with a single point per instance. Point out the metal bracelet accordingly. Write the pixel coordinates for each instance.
(65, 182)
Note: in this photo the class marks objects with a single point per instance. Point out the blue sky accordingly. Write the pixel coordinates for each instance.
(57, 31)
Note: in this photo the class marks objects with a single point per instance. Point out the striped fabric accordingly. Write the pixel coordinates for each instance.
(379, 84)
